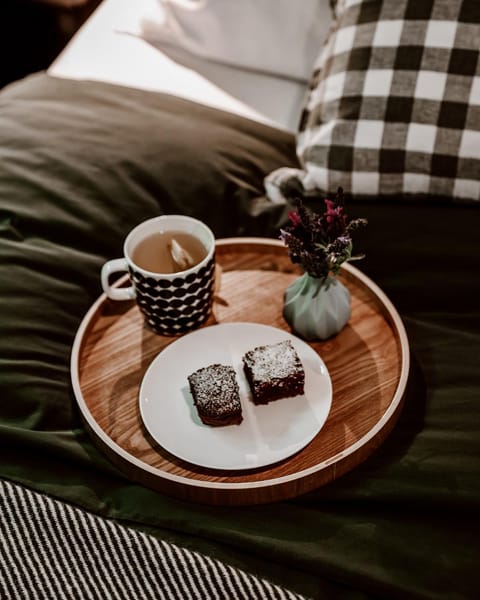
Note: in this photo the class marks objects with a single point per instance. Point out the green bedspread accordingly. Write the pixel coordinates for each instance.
(80, 164)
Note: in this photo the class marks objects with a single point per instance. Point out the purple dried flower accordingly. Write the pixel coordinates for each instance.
(294, 218)
(320, 243)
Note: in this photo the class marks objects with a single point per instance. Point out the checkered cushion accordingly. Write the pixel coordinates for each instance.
(394, 103)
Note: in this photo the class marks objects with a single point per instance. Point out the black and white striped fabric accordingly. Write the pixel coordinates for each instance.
(52, 551)
(394, 103)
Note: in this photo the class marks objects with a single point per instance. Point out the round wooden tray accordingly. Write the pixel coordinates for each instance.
(368, 362)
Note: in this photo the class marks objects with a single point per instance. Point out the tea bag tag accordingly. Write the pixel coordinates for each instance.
(180, 256)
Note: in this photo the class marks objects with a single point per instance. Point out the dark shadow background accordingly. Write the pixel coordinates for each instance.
(34, 32)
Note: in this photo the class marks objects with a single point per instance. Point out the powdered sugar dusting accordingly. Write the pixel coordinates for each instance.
(215, 390)
(275, 361)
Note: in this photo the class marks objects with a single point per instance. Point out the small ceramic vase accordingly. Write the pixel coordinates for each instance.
(315, 308)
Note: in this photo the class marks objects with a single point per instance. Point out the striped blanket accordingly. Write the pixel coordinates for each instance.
(50, 550)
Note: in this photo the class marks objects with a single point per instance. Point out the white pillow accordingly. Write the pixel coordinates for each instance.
(280, 37)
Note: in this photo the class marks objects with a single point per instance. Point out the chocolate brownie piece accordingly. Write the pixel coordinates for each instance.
(216, 395)
(274, 371)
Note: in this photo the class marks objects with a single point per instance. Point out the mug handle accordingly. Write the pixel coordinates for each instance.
(121, 293)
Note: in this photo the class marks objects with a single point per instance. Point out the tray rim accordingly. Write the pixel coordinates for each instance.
(395, 322)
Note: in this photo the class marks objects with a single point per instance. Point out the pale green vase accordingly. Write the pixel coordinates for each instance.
(316, 309)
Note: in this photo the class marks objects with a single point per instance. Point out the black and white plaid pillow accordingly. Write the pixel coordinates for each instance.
(394, 103)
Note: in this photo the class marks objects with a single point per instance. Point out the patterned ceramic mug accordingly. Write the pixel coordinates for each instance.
(171, 263)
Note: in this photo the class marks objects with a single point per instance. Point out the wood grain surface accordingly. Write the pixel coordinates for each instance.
(368, 362)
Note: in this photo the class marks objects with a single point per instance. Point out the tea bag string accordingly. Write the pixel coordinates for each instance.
(181, 258)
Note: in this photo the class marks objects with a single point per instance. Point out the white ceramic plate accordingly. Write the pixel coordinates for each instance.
(267, 434)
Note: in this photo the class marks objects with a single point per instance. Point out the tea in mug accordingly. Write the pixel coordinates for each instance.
(154, 253)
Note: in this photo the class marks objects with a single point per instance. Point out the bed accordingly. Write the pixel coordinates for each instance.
(96, 145)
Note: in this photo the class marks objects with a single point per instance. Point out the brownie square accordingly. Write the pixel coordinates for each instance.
(274, 371)
(216, 395)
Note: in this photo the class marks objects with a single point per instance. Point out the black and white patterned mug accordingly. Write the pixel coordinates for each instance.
(171, 263)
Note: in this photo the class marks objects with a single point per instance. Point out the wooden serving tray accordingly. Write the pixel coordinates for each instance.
(368, 362)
